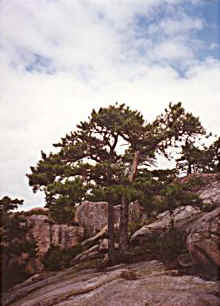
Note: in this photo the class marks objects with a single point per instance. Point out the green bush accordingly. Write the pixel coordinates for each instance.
(62, 214)
(171, 244)
(134, 225)
(53, 259)
(56, 258)
(194, 183)
(15, 240)
(12, 275)
(166, 246)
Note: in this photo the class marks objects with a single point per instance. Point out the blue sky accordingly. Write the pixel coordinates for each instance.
(60, 59)
(209, 11)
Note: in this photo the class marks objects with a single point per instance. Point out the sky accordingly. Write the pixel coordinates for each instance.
(59, 59)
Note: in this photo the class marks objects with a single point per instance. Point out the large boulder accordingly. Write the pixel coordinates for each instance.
(93, 216)
(202, 232)
(47, 234)
(183, 218)
(203, 242)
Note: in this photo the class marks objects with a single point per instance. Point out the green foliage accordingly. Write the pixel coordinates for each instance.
(14, 242)
(170, 245)
(93, 162)
(12, 271)
(165, 246)
(62, 214)
(179, 124)
(6, 206)
(53, 259)
(175, 195)
(12, 275)
(134, 225)
(195, 159)
(198, 158)
(214, 155)
(108, 158)
(194, 183)
(57, 258)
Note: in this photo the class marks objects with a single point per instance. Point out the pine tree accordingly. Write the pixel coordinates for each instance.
(104, 158)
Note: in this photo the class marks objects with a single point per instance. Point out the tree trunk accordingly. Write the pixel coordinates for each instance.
(189, 170)
(134, 167)
(124, 211)
(123, 239)
(111, 234)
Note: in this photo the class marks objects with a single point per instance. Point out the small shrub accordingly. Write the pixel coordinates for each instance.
(171, 244)
(12, 275)
(15, 240)
(133, 226)
(194, 183)
(53, 258)
(56, 258)
(165, 246)
(69, 254)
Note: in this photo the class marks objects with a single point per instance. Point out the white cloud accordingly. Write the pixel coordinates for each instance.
(173, 50)
(96, 58)
(176, 24)
(181, 25)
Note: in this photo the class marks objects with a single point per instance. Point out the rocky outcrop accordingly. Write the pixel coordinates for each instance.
(47, 234)
(210, 192)
(203, 242)
(93, 216)
(38, 235)
(141, 284)
(201, 228)
(207, 186)
(183, 219)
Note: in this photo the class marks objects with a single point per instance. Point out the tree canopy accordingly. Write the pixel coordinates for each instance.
(109, 157)
(99, 153)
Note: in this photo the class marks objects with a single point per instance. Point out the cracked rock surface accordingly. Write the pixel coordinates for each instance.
(144, 283)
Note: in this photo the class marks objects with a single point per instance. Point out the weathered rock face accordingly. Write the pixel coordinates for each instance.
(202, 229)
(209, 189)
(210, 192)
(140, 284)
(47, 234)
(93, 216)
(203, 242)
(183, 219)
